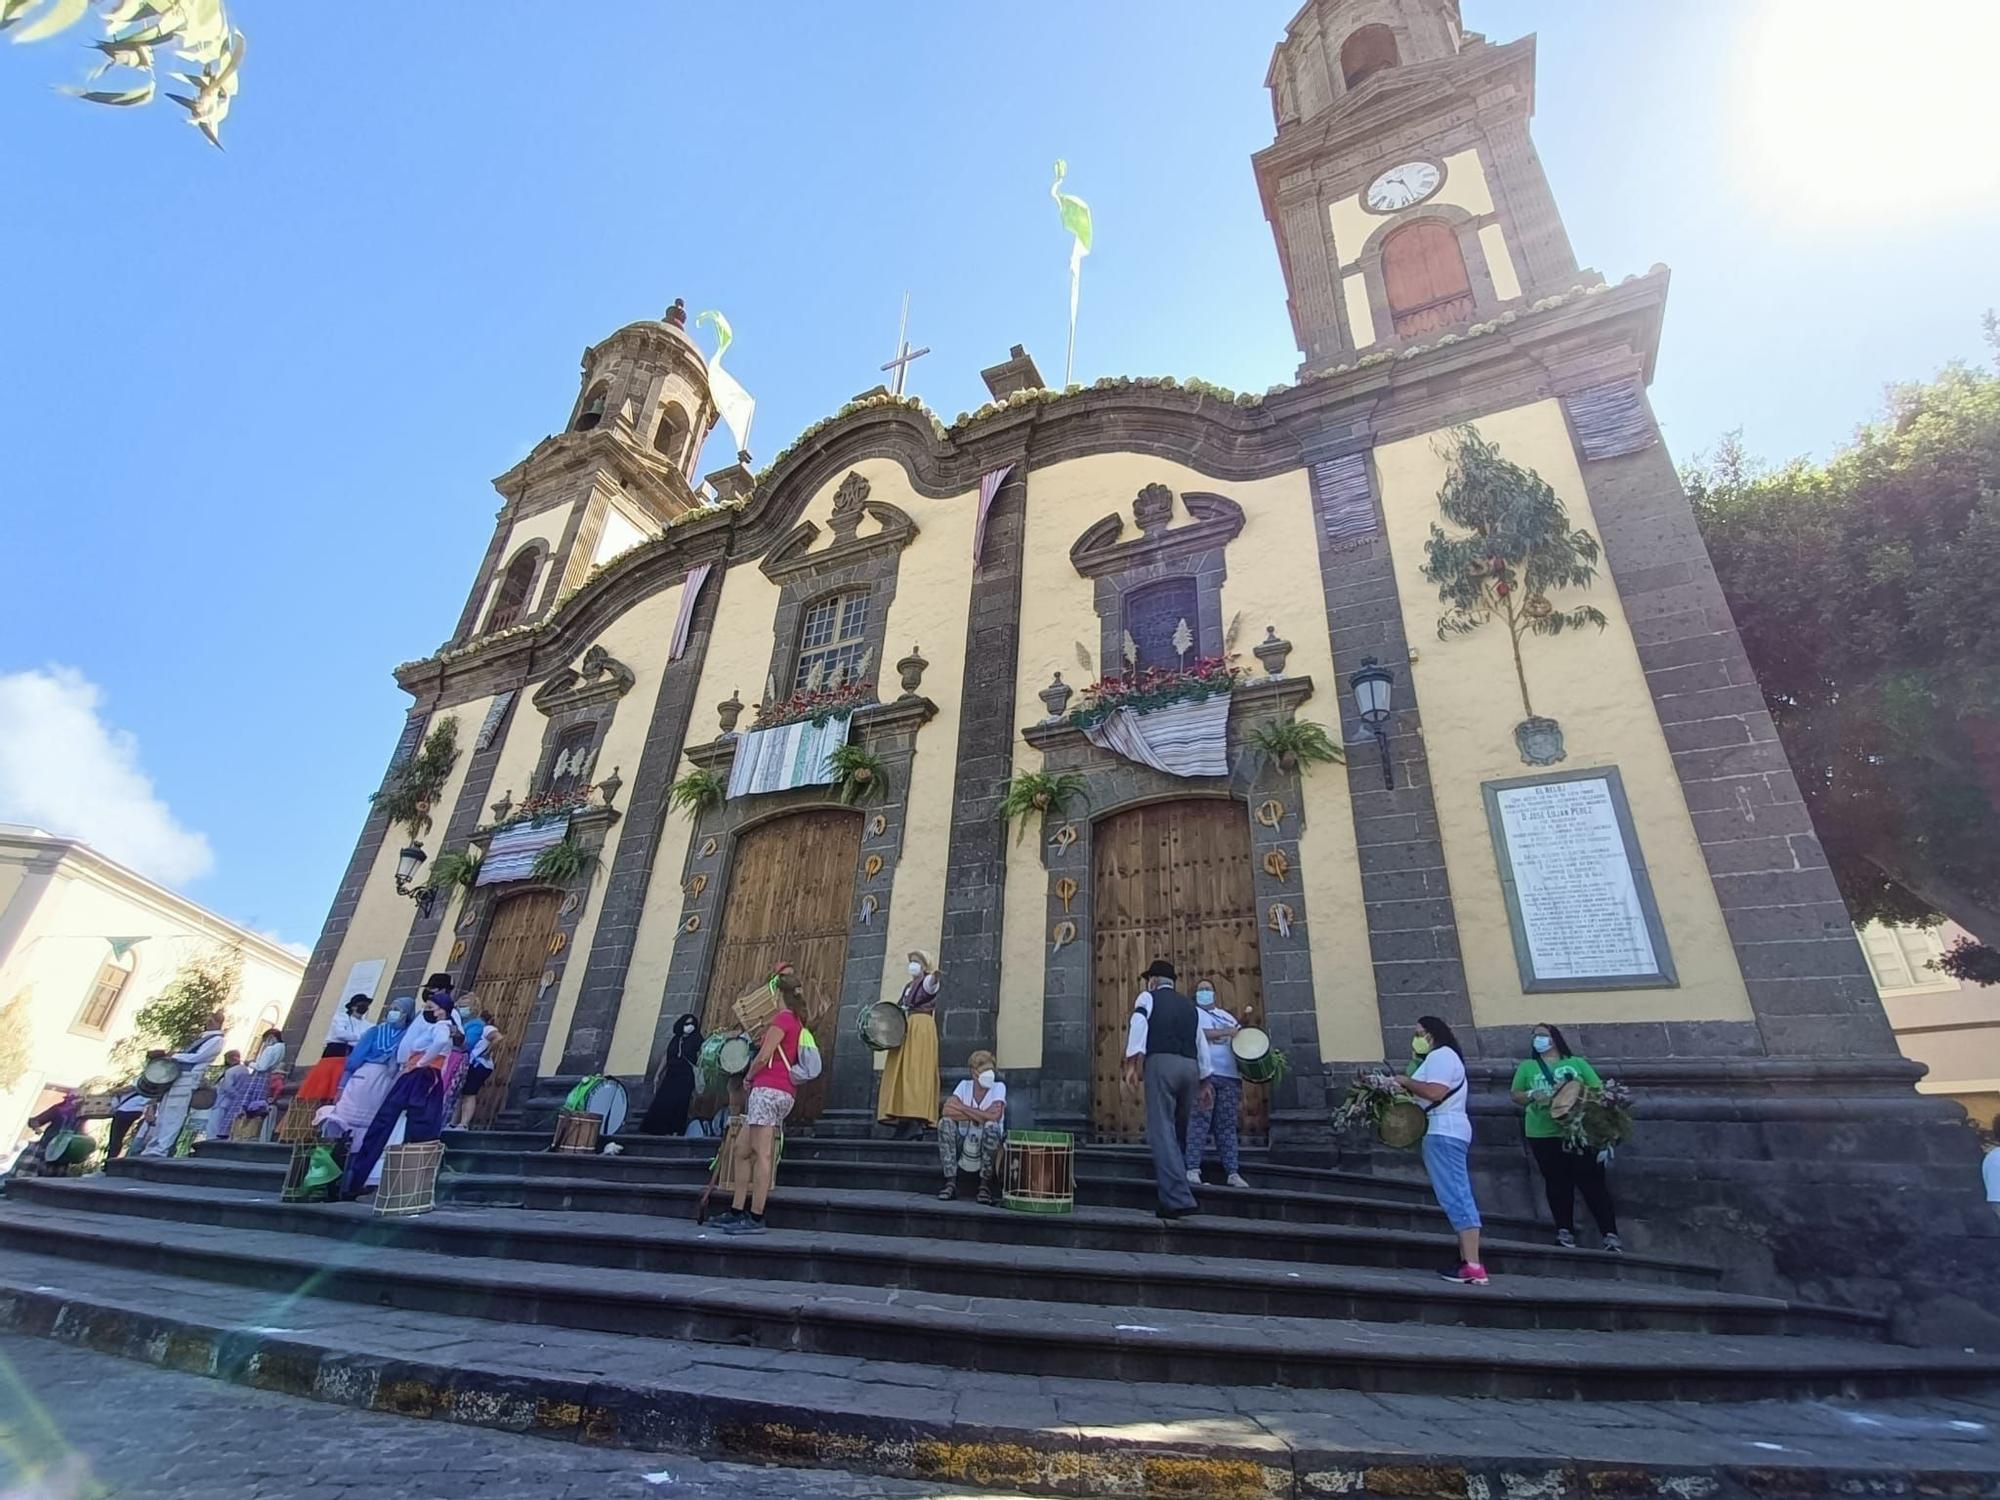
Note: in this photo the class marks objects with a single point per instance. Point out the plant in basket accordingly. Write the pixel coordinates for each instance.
(1367, 1100)
(1145, 689)
(1601, 1120)
(859, 773)
(815, 705)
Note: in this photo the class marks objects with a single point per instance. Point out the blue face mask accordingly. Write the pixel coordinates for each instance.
(1204, 997)
(1543, 1044)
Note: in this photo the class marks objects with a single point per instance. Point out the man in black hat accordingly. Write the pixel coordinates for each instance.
(1165, 1040)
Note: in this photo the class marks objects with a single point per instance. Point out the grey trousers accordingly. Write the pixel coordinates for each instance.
(1171, 1085)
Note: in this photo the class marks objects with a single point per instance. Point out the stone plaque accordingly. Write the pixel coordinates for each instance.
(1578, 897)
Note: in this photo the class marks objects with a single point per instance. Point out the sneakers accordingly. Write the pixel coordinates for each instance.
(1236, 1180)
(1466, 1275)
(744, 1224)
(1565, 1239)
(1614, 1245)
(1194, 1177)
(727, 1217)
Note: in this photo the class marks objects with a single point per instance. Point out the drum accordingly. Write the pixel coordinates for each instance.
(708, 1063)
(1403, 1123)
(577, 1133)
(1041, 1172)
(884, 1025)
(737, 1053)
(1255, 1058)
(202, 1098)
(409, 1179)
(607, 1101)
(1568, 1095)
(158, 1076)
(69, 1148)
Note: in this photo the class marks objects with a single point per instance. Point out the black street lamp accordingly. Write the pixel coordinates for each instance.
(1373, 684)
(407, 861)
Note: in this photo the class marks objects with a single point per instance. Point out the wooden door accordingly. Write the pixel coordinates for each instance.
(1171, 880)
(1423, 274)
(511, 965)
(791, 892)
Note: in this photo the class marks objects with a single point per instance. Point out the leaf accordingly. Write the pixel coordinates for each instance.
(59, 17)
(141, 95)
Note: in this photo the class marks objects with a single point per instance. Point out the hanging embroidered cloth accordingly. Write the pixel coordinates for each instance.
(790, 755)
(1182, 739)
(511, 853)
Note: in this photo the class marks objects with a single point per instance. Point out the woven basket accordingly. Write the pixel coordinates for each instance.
(754, 1009)
(1402, 1125)
(409, 1179)
(297, 1122)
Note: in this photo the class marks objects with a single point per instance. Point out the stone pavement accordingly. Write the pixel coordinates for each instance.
(77, 1425)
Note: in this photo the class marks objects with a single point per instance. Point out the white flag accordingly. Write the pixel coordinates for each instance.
(736, 405)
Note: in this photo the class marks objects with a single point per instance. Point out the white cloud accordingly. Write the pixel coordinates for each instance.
(297, 950)
(63, 768)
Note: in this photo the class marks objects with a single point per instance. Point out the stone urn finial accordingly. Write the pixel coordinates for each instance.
(1272, 652)
(729, 710)
(911, 670)
(608, 788)
(1056, 695)
(504, 806)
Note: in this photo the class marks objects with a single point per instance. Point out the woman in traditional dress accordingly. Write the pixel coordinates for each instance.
(459, 1013)
(322, 1084)
(233, 1092)
(673, 1086)
(267, 1063)
(370, 1072)
(908, 1099)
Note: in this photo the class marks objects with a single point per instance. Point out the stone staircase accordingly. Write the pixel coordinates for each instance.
(1296, 1295)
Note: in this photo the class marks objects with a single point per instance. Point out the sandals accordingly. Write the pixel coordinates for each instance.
(948, 1192)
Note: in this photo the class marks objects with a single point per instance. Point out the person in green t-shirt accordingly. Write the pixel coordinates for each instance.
(1564, 1172)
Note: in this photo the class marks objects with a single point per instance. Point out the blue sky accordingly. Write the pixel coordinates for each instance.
(253, 399)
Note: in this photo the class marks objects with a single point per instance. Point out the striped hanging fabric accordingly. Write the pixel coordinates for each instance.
(786, 756)
(1342, 495)
(989, 486)
(690, 591)
(511, 853)
(1181, 739)
(1610, 420)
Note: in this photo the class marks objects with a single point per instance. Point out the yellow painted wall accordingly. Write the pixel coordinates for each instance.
(1273, 580)
(1360, 316)
(1593, 684)
(1499, 264)
(639, 639)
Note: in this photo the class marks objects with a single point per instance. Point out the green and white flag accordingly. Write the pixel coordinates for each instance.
(1076, 219)
(735, 404)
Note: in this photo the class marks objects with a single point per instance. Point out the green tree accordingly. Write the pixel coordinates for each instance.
(196, 33)
(1516, 547)
(179, 1014)
(1867, 590)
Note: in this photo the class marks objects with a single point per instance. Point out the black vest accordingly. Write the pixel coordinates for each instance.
(1173, 1026)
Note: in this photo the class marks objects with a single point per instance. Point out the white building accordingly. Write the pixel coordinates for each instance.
(1951, 1027)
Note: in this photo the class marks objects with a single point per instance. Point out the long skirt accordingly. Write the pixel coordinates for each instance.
(321, 1085)
(910, 1079)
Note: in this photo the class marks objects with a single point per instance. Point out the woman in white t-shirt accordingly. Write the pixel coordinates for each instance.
(1439, 1085)
(972, 1124)
(1220, 1119)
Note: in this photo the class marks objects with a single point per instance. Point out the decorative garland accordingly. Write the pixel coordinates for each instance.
(815, 705)
(1156, 687)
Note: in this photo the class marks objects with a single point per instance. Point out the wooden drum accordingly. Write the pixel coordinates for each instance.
(1041, 1172)
(577, 1132)
(409, 1179)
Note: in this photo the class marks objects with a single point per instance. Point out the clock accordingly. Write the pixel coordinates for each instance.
(1401, 186)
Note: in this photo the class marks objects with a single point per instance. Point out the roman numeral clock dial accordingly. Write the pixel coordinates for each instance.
(1399, 187)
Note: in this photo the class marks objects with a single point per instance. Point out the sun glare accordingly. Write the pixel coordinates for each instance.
(1858, 111)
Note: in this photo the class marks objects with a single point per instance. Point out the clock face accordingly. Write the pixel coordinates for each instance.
(1399, 187)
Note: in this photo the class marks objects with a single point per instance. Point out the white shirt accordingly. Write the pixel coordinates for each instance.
(423, 1039)
(1221, 1060)
(202, 1053)
(347, 1028)
(270, 1059)
(482, 1046)
(995, 1095)
(1448, 1118)
(1989, 1173)
(1135, 1039)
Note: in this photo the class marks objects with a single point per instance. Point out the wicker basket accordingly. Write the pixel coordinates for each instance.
(1041, 1172)
(296, 1124)
(754, 1009)
(409, 1179)
(295, 1189)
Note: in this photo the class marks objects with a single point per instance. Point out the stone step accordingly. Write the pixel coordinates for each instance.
(921, 1215)
(958, 1332)
(946, 1264)
(1053, 1434)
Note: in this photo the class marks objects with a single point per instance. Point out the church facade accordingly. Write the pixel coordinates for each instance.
(1629, 858)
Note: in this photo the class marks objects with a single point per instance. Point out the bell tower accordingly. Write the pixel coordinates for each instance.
(1403, 187)
(614, 477)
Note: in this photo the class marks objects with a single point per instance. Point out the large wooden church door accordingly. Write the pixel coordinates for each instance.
(791, 890)
(511, 964)
(1172, 880)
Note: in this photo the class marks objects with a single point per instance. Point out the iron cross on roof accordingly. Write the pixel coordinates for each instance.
(905, 355)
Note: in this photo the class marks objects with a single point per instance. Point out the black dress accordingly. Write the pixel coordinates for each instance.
(673, 1087)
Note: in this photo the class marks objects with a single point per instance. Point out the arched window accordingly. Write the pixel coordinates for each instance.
(670, 437)
(1366, 53)
(593, 407)
(101, 1004)
(831, 642)
(1424, 278)
(510, 600)
(1163, 621)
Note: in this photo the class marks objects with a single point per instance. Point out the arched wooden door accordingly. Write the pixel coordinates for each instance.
(1424, 277)
(1171, 880)
(511, 964)
(791, 892)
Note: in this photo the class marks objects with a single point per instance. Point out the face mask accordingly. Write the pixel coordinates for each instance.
(1204, 997)
(915, 967)
(986, 1079)
(1419, 1046)
(1542, 1043)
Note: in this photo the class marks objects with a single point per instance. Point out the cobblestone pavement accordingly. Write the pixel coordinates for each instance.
(76, 1425)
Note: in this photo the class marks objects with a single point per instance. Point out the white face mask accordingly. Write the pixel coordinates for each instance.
(1204, 997)
(915, 967)
(986, 1079)
(1542, 1043)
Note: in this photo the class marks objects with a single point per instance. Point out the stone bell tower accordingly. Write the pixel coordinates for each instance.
(614, 477)
(1403, 187)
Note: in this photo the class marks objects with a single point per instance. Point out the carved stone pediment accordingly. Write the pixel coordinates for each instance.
(794, 554)
(1104, 548)
(599, 676)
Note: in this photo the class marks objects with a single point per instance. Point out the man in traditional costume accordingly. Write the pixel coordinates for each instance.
(908, 1097)
(1165, 1045)
(173, 1108)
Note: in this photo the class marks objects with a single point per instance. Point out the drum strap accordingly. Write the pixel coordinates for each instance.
(1436, 1102)
(1547, 1076)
